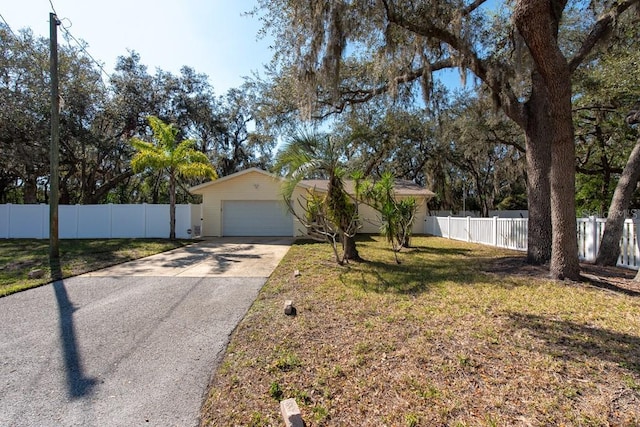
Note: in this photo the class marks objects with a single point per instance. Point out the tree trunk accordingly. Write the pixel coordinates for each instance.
(29, 187)
(93, 195)
(349, 248)
(172, 206)
(538, 157)
(564, 245)
(610, 246)
(538, 22)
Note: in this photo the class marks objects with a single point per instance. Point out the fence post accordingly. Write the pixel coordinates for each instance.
(44, 214)
(77, 221)
(110, 220)
(8, 220)
(495, 231)
(468, 228)
(144, 220)
(595, 235)
(449, 227)
(636, 241)
(590, 237)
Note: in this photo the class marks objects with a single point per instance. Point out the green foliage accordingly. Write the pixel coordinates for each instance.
(397, 214)
(412, 420)
(168, 157)
(98, 119)
(333, 216)
(275, 391)
(605, 90)
(591, 198)
(513, 202)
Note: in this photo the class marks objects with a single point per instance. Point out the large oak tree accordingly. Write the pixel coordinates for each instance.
(338, 53)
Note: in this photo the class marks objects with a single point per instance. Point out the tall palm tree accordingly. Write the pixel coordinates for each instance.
(176, 160)
(308, 156)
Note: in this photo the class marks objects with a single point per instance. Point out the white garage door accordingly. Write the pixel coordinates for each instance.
(256, 218)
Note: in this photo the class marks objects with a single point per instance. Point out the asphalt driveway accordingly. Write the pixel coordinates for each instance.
(131, 345)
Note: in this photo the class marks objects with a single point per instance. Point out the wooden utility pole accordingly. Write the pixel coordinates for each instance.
(54, 155)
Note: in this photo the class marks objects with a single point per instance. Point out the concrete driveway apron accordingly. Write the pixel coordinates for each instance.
(131, 345)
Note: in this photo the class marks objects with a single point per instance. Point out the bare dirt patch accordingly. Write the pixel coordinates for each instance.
(615, 279)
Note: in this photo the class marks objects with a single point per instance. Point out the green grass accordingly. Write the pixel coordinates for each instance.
(20, 256)
(432, 341)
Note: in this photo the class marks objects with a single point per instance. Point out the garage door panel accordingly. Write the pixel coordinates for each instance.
(256, 218)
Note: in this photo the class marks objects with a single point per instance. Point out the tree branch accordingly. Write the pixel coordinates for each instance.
(473, 6)
(599, 30)
(586, 171)
(491, 75)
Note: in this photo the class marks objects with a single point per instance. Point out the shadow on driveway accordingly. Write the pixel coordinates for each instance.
(77, 384)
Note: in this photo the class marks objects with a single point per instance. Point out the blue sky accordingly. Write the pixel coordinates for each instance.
(211, 36)
(214, 37)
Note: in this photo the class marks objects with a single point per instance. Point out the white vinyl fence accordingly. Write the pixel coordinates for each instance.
(511, 233)
(98, 221)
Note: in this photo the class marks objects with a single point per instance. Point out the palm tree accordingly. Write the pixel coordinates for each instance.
(318, 156)
(176, 160)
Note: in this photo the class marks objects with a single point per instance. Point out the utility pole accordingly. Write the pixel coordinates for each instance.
(54, 154)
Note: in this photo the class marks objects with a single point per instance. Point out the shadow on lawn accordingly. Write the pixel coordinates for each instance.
(574, 341)
(420, 269)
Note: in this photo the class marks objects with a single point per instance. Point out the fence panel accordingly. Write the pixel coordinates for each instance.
(27, 221)
(512, 234)
(96, 221)
(157, 221)
(458, 229)
(183, 221)
(481, 230)
(67, 221)
(629, 254)
(4, 221)
(127, 221)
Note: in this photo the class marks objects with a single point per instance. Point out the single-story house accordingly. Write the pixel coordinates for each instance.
(250, 203)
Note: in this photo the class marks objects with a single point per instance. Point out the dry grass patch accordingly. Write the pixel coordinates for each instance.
(433, 341)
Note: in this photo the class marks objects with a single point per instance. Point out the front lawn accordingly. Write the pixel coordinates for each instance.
(433, 341)
(19, 257)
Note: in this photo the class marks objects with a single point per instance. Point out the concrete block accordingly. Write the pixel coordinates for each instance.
(291, 413)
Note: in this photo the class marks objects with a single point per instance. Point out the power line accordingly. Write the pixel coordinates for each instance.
(82, 46)
(53, 9)
(8, 26)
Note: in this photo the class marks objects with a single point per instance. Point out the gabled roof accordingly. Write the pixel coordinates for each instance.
(198, 188)
(401, 187)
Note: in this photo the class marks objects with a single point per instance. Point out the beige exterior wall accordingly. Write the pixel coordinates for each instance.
(421, 217)
(254, 185)
(249, 186)
(299, 230)
(371, 218)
